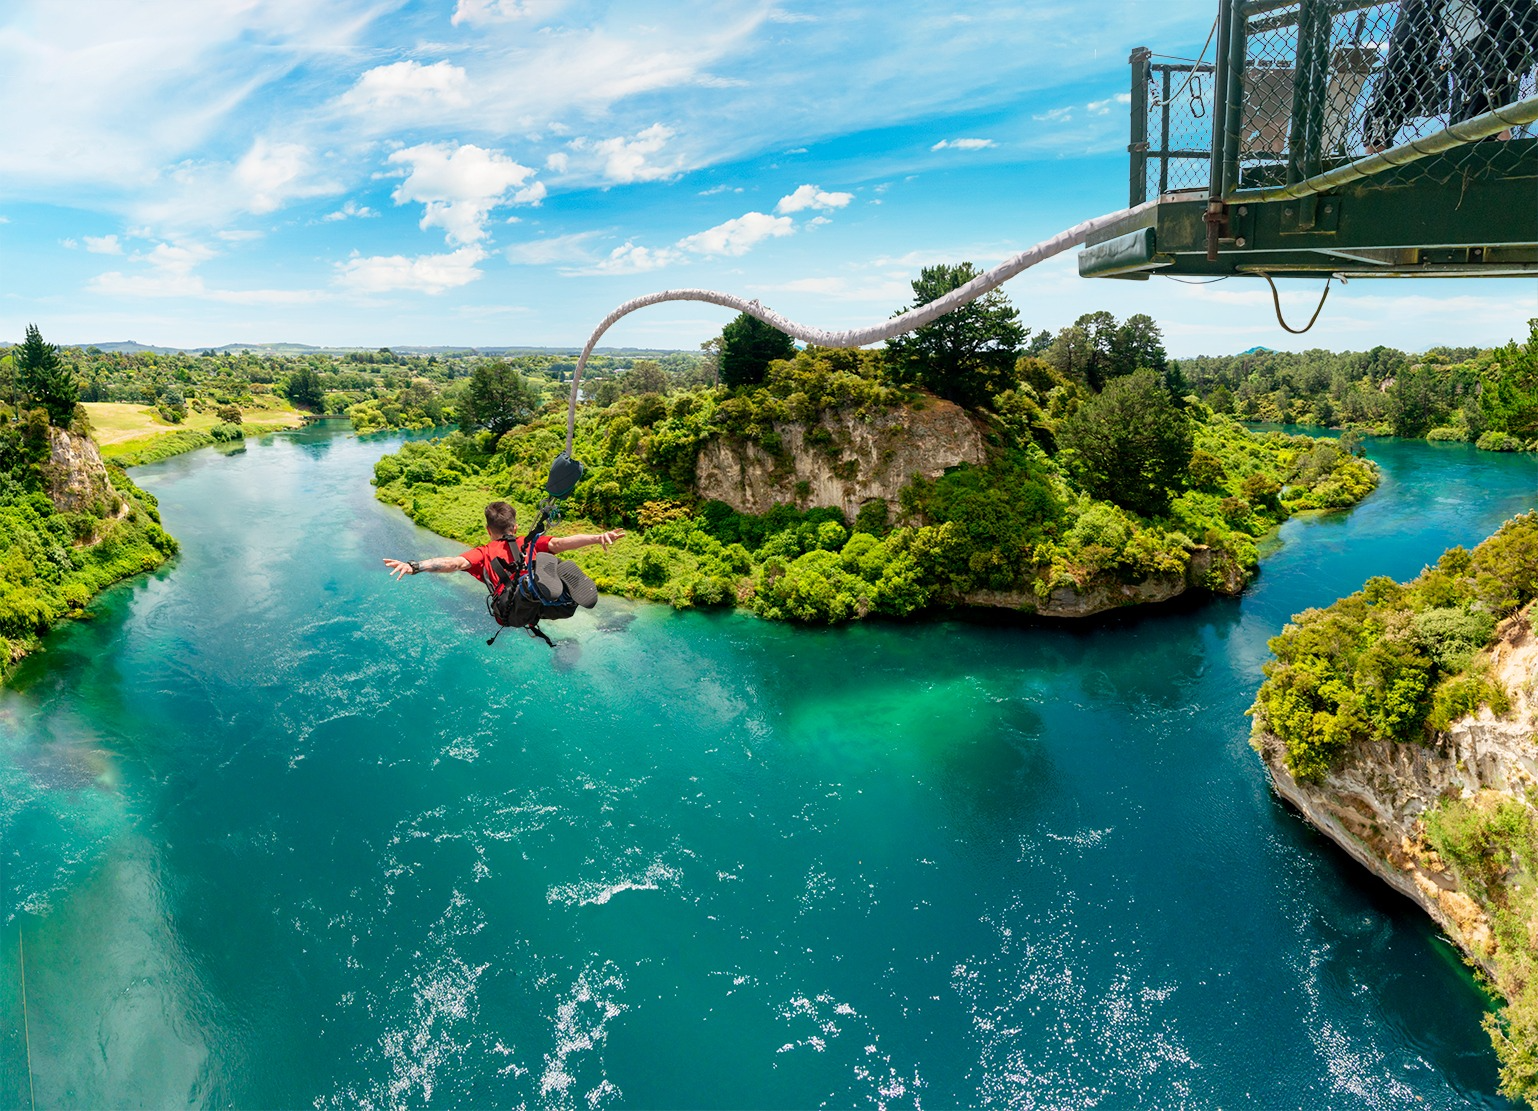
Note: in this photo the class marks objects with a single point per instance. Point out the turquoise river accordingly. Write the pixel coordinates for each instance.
(280, 832)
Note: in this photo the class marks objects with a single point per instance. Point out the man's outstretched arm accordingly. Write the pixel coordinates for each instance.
(400, 568)
(559, 544)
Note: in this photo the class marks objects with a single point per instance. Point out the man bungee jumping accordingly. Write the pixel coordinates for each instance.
(501, 523)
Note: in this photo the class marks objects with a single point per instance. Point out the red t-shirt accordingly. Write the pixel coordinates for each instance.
(480, 558)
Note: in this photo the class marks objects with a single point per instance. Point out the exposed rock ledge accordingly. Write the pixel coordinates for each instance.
(867, 459)
(75, 475)
(1372, 805)
(1207, 570)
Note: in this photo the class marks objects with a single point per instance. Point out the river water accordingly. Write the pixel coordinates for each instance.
(281, 832)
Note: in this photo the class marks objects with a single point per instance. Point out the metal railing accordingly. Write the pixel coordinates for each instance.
(1304, 88)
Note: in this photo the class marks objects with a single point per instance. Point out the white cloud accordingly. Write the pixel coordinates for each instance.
(558, 162)
(423, 274)
(350, 209)
(487, 11)
(560, 248)
(102, 244)
(713, 190)
(627, 160)
(460, 186)
(963, 144)
(738, 236)
(810, 196)
(1103, 107)
(408, 83)
(631, 259)
(239, 235)
(69, 244)
(271, 173)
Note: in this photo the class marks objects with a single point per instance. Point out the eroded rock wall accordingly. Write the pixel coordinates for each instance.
(1373, 804)
(75, 475)
(856, 459)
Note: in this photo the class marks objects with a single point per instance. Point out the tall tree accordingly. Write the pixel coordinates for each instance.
(1133, 443)
(968, 355)
(1137, 343)
(1099, 330)
(303, 388)
(497, 398)
(646, 376)
(748, 346)
(43, 380)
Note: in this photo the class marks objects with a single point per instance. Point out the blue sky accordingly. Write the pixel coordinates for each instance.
(500, 172)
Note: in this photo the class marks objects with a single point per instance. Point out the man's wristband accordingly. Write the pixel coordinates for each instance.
(414, 565)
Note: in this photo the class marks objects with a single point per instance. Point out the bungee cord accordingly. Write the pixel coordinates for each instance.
(855, 337)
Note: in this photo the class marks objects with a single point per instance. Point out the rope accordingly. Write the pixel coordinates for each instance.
(26, 1032)
(1200, 58)
(857, 337)
(1277, 301)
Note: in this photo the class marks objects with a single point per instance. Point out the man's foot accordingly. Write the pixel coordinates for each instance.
(583, 590)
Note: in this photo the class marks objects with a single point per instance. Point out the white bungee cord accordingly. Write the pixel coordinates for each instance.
(857, 337)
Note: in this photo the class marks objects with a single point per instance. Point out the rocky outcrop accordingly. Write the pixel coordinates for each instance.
(1372, 805)
(842, 460)
(77, 480)
(1206, 570)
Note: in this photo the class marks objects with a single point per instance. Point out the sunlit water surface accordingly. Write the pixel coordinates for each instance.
(280, 832)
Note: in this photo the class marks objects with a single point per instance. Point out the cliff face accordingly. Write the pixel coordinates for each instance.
(1372, 805)
(851, 462)
(75, 475)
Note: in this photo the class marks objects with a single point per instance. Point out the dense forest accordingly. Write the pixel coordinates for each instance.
(1488, 397)
(1103, 473)
(1401, 662)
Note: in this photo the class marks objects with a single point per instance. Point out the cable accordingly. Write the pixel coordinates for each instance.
(1200, 55)
(1277, 301)
(1187, 281)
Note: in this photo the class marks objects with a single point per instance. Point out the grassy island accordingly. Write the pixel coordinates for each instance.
(1068, 488)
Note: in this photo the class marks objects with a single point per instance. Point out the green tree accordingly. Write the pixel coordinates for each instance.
(1137, 343)
(303, 388)
(748, 346)
(968, 355)
(1100, 329)
(497, 398)
(43, 379)
(1133, 444)
(647, 376)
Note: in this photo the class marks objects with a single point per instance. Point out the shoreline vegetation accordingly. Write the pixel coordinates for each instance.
(1400, 720)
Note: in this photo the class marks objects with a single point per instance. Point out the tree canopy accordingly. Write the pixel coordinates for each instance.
(44, 380)
(1133, 444)
(968, 355)
(748, 346)
(498, 398)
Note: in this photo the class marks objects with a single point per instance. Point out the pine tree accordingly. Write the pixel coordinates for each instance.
(968, 355)
(748, 346)
(44, 380)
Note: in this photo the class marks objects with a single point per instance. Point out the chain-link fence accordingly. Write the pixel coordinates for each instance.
(1322, 83)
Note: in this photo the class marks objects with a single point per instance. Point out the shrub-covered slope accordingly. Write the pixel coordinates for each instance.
(1023, 523)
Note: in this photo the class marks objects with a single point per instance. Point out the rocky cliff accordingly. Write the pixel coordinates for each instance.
(843, 460)
(77, 480)
(1374, 804)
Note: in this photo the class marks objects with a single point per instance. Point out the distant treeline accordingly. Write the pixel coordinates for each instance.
(1484, 396)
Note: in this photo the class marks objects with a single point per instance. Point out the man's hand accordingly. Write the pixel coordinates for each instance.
(607, 538)
(399, 568)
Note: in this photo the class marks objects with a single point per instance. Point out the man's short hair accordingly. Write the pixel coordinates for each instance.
(501, 518)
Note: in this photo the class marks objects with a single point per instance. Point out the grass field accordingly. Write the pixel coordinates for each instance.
(115, 422)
